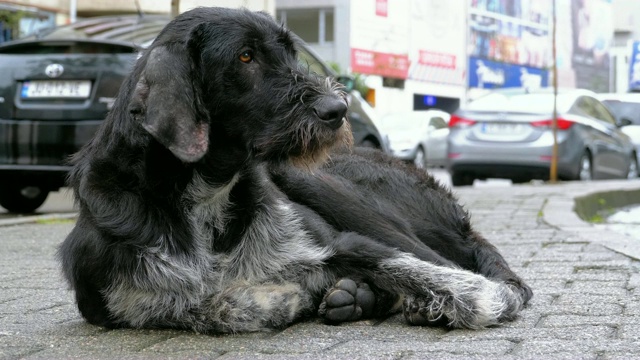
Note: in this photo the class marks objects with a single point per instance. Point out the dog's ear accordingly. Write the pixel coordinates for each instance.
(165, 101)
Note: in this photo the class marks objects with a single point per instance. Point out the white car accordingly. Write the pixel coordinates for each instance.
(419, 137)
(626, 108)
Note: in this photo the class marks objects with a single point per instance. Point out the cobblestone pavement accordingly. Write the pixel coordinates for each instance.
(586, 303)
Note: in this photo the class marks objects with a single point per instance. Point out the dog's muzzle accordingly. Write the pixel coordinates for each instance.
(331, 110)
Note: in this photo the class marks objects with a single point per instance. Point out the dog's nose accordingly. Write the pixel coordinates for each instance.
(331, 110)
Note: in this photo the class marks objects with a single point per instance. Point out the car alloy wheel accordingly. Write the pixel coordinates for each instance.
(633, 168)
(586, 172)
(420, 161)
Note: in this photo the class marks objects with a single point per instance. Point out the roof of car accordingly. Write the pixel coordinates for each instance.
(626, 97)
(130, 29)
(543, 90)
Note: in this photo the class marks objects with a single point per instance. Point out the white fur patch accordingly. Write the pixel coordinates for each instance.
(467, 299)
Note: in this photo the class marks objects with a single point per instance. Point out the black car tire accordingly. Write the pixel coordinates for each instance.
(585, 169)
(462, 179)
(22, 199)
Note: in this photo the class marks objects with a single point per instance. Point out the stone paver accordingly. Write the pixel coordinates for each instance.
(586, 304)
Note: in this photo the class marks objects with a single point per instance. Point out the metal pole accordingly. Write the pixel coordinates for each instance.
(175, 8)
(553, 175)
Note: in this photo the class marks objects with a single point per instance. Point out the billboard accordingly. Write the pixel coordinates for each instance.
(487, 74)
(437, 50)
(584, 37)
(380, 38)
(634, 66)
(513, 32)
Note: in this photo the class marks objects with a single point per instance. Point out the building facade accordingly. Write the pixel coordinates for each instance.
(24, 17)
(420, 54)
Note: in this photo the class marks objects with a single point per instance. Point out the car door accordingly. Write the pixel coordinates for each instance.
(438, 131)
(609, 157)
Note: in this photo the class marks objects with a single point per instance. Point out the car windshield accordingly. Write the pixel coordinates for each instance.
(623, 109)
(536, 103)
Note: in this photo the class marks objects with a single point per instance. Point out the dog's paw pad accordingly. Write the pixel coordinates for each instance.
(418, 311)
(347, 301)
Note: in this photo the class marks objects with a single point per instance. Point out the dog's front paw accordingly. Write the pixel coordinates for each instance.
(347, 301)
(420, 311)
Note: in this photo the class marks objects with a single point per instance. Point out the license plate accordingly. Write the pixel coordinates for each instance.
(74, 89)
(502, 129)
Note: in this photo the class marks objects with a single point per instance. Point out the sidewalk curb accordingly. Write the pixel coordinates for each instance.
(571, 212)
(30, 219)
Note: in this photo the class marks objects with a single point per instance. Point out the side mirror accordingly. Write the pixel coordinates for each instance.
(347, 81)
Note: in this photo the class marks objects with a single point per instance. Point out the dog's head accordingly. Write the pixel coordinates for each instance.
(217, 76)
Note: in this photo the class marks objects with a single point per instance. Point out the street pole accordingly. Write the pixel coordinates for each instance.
(175, 8)
(73, 11)
(553, 175)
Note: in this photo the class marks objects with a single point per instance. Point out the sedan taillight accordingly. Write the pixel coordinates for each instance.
(457, 121)
(563, 124)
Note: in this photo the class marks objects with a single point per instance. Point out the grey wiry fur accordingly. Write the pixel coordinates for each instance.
(221, 195)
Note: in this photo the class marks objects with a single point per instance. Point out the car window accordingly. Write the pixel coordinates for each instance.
(584, 107)
(308, 61)
(602, 113)
(438, 122)
(624, 110)
(593, 108)
(537, 103)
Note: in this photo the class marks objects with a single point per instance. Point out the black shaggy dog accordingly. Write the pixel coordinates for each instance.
(220, 195)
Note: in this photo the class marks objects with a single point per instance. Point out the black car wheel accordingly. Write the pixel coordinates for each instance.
(462, 179)
(22, 199)
(585, 173)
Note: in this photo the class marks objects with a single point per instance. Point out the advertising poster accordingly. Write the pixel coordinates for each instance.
(509, 43)
(380, 38)
(592, 35)
(437, 33)
(634, 66)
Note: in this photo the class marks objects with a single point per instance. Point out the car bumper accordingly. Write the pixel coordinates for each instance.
(514, 160)
(45, 145)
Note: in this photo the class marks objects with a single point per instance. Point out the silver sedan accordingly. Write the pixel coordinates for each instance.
(508, 134)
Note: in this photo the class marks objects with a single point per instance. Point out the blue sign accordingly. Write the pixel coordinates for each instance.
(487, 74)
(634, 66)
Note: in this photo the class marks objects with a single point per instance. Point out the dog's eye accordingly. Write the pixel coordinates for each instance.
(246, 57)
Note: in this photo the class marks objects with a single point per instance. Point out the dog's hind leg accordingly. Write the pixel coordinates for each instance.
(249, 307)
(433, 293)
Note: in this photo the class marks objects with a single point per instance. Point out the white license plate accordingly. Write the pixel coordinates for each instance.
(502, 129)
(74, 89)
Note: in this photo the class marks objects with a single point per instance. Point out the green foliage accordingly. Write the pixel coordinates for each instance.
(358, 78)
(11, 20)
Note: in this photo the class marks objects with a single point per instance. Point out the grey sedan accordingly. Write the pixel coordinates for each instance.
(508, 134)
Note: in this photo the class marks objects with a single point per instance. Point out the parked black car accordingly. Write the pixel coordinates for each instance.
(57, 86)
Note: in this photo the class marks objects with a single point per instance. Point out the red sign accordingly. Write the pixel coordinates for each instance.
(436, 59)
(382, 7)
(377, 63)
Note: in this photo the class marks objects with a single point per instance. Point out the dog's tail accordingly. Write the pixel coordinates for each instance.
(462, 298)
